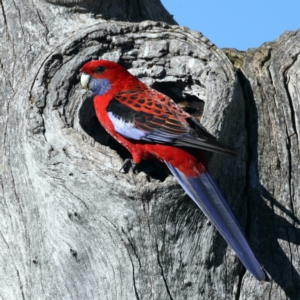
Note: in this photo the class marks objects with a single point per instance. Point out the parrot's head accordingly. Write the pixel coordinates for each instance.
(101, 76)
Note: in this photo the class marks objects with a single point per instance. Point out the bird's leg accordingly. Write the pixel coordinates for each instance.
(128, 163)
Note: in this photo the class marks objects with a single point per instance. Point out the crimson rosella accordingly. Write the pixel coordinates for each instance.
(151, 126)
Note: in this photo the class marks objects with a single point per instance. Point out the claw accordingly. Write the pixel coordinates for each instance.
(127, 165)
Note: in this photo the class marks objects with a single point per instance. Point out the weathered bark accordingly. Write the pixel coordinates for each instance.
(269, 77)
(129, 10)
(73, 227)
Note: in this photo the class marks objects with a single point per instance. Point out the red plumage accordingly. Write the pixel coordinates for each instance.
(128, 90)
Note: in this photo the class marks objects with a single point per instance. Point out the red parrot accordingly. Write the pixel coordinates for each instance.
(151, 126)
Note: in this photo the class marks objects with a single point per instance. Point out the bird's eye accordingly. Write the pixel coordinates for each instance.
(99, 69)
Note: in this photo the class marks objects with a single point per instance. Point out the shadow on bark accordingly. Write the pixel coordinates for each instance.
(269, 226)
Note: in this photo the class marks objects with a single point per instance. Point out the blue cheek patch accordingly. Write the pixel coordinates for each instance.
(100, 86)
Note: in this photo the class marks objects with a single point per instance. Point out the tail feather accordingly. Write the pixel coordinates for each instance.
(209, 199)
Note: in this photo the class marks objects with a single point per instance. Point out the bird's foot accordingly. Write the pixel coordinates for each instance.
(127, 165)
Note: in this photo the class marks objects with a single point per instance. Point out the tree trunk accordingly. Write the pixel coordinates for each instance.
(73, 227)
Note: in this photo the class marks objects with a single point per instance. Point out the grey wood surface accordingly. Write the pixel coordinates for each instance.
(73, 227)
(270, 80)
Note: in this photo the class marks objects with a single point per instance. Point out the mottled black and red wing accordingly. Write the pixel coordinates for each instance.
(149, 111)
(153, 117)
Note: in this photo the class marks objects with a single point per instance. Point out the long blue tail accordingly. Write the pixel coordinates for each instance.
(207, 196)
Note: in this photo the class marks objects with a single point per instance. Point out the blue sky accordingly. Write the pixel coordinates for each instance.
(237, 23)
